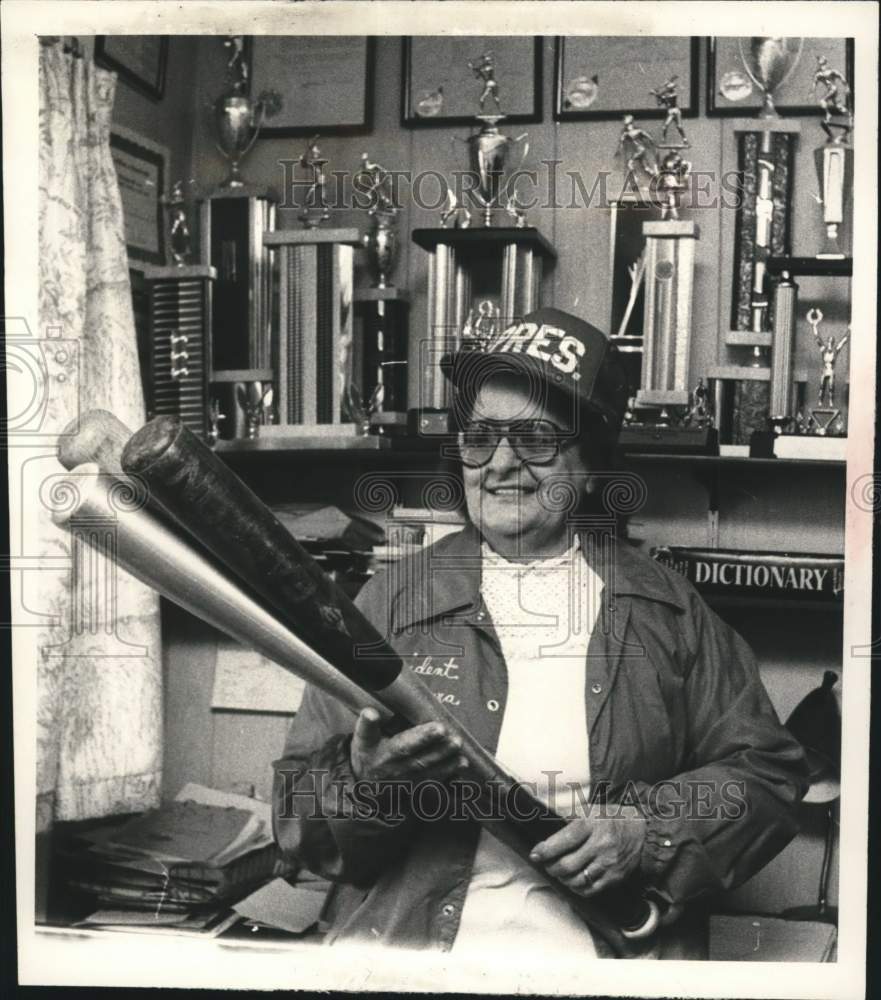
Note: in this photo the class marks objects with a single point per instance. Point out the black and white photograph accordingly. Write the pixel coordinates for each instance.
(441, 558)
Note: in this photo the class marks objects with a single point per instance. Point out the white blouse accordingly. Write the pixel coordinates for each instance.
(543, 613)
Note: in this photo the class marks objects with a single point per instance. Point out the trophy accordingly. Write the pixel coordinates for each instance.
(769, 63)
(381, 243)
(315, 209)
(178, 223)
(238, 117)
(765, 156)
(834, 159)
(825, 419)
(666, 267)
(489, 150)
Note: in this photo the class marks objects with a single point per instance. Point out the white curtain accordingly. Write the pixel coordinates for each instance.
(99, 673)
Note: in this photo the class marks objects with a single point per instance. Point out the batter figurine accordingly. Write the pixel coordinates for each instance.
(667, 97)
(484, 69)
(641, 146)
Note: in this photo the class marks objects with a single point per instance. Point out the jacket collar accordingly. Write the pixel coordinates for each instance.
(449, 580)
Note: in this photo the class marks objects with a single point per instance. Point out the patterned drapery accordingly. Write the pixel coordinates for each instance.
(99, 666)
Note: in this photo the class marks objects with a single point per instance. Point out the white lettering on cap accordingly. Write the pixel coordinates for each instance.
(530, 339)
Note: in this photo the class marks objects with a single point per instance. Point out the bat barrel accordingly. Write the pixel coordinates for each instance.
(155, 555)
(235, 526)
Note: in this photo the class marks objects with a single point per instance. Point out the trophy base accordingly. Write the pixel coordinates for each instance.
(654, 438)
(427, 422)
(809, 447)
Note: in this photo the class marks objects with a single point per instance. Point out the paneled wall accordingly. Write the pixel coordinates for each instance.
(760, 508)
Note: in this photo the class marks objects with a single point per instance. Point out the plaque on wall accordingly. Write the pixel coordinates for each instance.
(606, 77)
(441, 73)
(324, 81)
(732, 92)
(141, 167)
(140, 60)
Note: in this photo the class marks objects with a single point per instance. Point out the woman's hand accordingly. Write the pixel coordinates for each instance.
(594, 852)
(418, 754)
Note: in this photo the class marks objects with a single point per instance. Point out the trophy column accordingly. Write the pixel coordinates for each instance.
(379, 359)
(314, 351)
(180, 342)
(232, 226)
(491, 273)
(766, 151)
(669, 281)
(834, 163)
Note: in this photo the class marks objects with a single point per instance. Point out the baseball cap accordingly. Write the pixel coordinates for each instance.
(558, 352)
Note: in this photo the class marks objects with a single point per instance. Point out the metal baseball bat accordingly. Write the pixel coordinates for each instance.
(157, 556)
(211, 503)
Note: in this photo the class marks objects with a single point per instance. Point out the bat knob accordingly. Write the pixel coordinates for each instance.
(651, 922)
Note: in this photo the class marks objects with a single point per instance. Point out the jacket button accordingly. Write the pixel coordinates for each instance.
(481, 615)
(492, 705)
(448, 910)
(668, 843)
(596, 688)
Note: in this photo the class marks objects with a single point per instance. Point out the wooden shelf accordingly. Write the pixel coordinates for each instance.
(733, 460)
(406, 448)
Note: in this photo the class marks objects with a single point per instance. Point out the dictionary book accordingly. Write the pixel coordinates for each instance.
(757, 575)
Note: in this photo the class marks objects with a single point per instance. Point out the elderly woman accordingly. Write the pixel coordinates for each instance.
(594, 674)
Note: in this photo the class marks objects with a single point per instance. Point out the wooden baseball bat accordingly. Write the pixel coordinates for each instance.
(161, 558)
(211, 503)
(97, 436)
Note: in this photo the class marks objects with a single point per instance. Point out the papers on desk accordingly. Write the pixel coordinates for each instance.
(245, 681)
(279, 905)
(189, 858)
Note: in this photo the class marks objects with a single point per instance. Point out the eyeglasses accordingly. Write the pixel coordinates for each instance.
(534, 442)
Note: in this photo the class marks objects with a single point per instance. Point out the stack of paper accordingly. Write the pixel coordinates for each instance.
(184, 862)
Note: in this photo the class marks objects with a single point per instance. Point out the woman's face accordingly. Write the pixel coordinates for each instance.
(513, 502)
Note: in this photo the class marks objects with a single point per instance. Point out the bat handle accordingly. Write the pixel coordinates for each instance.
(636, 915)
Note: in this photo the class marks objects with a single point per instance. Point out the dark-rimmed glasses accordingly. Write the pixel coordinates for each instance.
(534, 442)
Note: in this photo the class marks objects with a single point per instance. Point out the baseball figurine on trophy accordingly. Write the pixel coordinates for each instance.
(380, 343)
(489, 149)
(664, 404)
(834, 159)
